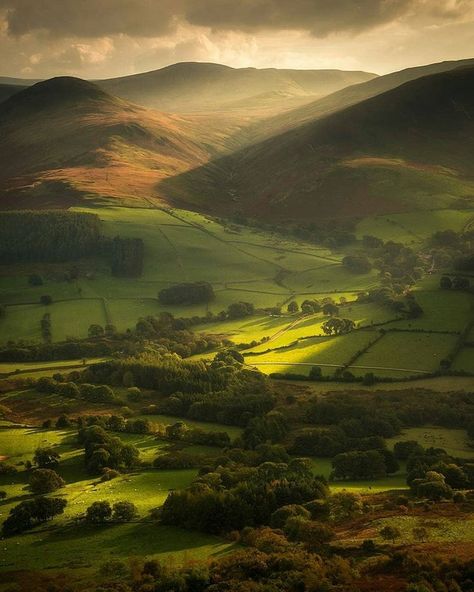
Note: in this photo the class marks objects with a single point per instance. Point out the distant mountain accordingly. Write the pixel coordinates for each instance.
(65, 138)
(348, 96)
(409, 148)
(192, 86)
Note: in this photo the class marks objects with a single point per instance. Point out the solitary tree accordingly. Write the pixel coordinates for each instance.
(390, 533)
(46, 458)
(99, 512)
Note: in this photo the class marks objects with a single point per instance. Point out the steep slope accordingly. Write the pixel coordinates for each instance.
(66, 138)
(348, 96)
(190, 86)
(409, 148)
(8, 90)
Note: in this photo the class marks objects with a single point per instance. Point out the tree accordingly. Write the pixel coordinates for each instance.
(315, 373)
(337, 326)
(63, 422)
(46, 458)
(45, 481)
(239, 310)
(95, 331)
(124, 511)
(31, 512)
(99, 512)
(359, 464)
(357, 263)
(46, 299)
(390, 533)
(292, 307)
(345, 505)
(330, 309)
(420, 533)
(35, 280)
(445, 283)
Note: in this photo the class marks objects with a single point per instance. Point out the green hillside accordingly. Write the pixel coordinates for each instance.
(407, 149)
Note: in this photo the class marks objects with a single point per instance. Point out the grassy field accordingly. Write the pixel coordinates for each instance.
(409, 352)
(414, 227)
(317, 351)
(455, 442)
(242, 264)
(261, 267)
(84, 547)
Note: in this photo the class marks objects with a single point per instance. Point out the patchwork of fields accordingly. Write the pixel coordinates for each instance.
(261, 267)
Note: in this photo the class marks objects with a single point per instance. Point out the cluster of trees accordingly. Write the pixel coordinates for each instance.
(43, 235)
(30, 513)
(67, 350)
(453, 249)
(456, 283)
(89, 392)
(187, 293)
(384, 416)
(175, 335)
(45, 481)
(357, 263)
(435, 475)
(102, 450)
(126, 256)
(232, 497)
(102, 512)
(180, 432)
(363, 464)
(337, 326)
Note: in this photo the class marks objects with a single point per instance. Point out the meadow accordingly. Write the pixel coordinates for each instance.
(261, 267)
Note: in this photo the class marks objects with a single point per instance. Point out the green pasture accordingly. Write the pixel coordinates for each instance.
(233, 431)
(242, 264)
(465, 360)
(413, 226)
(322, 466)
(314, 351)
(455, 442)
(443, 310)
(407, 352)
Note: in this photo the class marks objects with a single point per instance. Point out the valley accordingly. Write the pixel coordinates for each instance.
(237, 331)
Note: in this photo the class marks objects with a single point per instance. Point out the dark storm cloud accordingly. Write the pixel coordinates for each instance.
(90, 18)
(320, 17)
(153, 18)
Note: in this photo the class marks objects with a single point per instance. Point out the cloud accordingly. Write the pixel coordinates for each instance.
(157, 18)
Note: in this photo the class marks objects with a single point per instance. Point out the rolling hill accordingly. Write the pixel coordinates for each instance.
(66, 138)
(347, 97)
(408, 148)
(191, 86)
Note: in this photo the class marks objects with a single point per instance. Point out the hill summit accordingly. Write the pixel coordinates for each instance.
(53, 93)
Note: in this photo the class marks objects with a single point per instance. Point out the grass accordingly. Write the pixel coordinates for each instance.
(413, 352)
(62, 545)
(48, 367)
(233, 431)
(413, 227)
(242, 264)
(455, 442)
(464, 360)
(315, 351)
(322, 466)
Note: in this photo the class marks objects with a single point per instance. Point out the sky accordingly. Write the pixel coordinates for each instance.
(107, 38)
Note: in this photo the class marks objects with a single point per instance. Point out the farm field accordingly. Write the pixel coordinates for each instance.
(415, 352)
(317, 351)
(414, 227)
(179, 246)
(455, 442)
